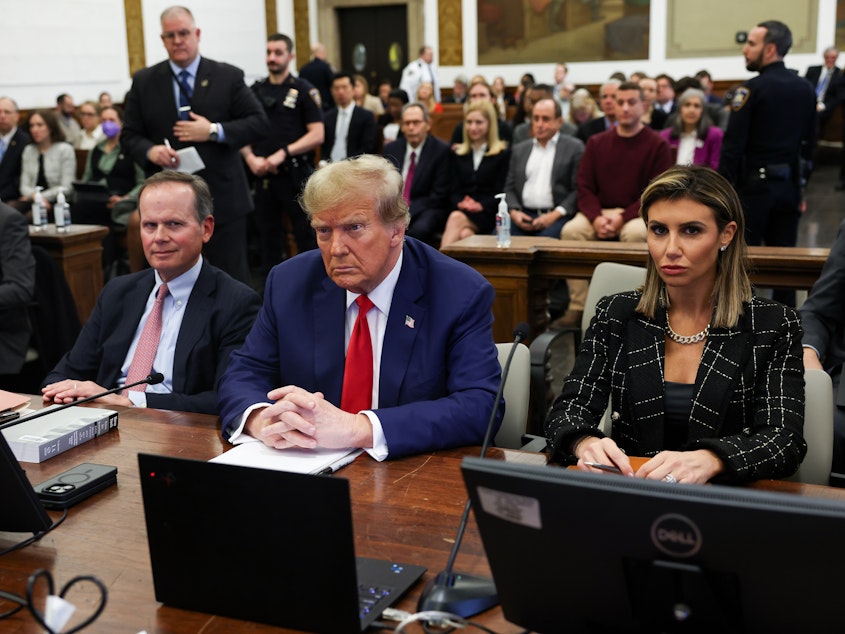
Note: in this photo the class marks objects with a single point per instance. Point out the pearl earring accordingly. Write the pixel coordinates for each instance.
(723, 248)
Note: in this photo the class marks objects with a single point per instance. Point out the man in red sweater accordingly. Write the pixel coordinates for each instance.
(616, 167)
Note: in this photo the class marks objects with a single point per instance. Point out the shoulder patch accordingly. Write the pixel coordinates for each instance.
(315, 96)
(740, 98)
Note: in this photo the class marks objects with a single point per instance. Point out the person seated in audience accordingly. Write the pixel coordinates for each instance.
(706, 81)
(582, 108)
(691, 134)
(542, 176)
(479, 90)
(703, 378)
(13, 140)
(182, 317)
(717, 113)
(363, 98)
(423, 161)
(607, 103)
(105, 100)
(617, 166)
(823, 319)
(501, 97)
(637, 76)
(478, 168)
(666, 90)
(91, 132)
(391, 121)
(376, 341)
(48, 162)
(652, 117)
(525, 82)
(65, 115)
(536, 93)
(459, 91)
(425, 95)
(17, 289)
(384, 89)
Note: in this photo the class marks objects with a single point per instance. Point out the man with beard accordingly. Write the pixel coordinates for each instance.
(772, 127)
(284, 159)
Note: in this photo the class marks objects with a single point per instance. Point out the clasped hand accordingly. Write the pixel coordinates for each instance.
(299, 418)
(69, 391)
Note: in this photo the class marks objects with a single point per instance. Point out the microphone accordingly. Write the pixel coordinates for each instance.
(455, 592)
(151, 379)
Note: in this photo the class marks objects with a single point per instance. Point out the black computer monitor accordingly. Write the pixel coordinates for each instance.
(20, 509)
(579, 552)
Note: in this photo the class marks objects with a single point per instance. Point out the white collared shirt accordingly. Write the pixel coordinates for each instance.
(537, 190)
(341, 132)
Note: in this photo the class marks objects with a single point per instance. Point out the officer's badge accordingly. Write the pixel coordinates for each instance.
(740, 98)
(290, 98)
(315, 97)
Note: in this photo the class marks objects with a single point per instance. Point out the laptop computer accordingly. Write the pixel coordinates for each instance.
(23, 511)
(262, 545)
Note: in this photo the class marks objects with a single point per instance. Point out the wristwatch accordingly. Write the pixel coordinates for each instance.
(213, 132)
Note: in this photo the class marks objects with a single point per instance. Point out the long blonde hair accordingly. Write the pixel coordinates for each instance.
(494, 144)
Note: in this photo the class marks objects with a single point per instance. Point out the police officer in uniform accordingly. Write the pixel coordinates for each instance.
(284, 159)
(769, 141)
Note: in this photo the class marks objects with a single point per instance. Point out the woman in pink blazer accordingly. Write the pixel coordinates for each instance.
(691, 134)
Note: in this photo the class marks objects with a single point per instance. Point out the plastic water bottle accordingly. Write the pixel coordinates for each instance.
(61, 211)
(39, 211)
(503, 224)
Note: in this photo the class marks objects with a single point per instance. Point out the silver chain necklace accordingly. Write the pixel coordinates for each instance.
(686, 340)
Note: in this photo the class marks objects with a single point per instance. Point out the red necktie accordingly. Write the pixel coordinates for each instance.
(358, 373)
(145, 351)
(409, 179)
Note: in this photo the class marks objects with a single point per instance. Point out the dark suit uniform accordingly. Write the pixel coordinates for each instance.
(221, 96)
(361, 137)
(17, 285)
(319, 74)
(831, 95)
(429, 188)
(10, 166)
(439, 373)
(823, 318)
(771, 127)
(218, 316)
(748, 397)
(591, 127)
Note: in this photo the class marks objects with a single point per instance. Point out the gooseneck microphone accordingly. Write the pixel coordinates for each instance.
(152, 379)
(455, 592)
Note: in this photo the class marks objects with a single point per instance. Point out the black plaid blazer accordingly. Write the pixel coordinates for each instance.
(748, 403)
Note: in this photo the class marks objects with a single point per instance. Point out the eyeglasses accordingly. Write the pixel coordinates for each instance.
(87, 114)
(172, 35)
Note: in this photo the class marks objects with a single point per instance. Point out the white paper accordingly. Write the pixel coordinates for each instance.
(190, 161)
(257, 454)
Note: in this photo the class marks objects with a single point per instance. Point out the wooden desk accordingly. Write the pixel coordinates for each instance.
(79, 251)
(406, 509)
(521, 274)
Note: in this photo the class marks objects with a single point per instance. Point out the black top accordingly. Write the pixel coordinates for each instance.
(290, 107)
(678, 405)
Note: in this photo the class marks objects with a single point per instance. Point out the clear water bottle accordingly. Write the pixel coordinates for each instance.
(61, 211)
(503, 224)
(39, 211)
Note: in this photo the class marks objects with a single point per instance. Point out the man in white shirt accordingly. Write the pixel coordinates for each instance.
(420, 70)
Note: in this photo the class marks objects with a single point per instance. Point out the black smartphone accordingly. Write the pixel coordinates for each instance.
(8, 416)
(75, 485)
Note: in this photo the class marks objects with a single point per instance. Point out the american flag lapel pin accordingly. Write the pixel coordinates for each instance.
(409, 321)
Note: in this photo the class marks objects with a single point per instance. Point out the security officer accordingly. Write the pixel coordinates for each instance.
(284, 160)
(770, 139)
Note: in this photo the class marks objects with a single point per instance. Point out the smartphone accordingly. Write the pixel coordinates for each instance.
(75, 485)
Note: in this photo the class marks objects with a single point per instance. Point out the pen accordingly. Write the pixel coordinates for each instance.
(338, 464)
(169, 147)
(603, 467)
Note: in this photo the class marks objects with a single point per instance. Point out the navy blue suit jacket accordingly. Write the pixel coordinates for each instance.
(10, 166)
(430, 187)
(219, 314)
(439, 368)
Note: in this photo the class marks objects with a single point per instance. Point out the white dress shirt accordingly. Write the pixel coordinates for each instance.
(537, 190)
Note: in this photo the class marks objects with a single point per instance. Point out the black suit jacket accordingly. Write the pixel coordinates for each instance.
(221, 96)
(320, 74)
(591, 127)
(748, 403)
(217, 319)
(813, 75)
(10, 166)
(17, 288)
(362, 135)
(430, 187)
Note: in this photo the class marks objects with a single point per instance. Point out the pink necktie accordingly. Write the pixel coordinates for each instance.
(145, 352)
(357, 392)
(409, 179)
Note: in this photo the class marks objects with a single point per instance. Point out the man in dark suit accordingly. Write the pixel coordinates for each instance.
(825, 80)
(542, 184)
(824, 340)
(607, 103)
(414, 370)
(182, 318)
(423, 161)
(12, 142)
(17, 286)
(318, 72)
(193, 101)
(350, 130)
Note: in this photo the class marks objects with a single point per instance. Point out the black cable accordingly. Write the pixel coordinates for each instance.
(35, 537)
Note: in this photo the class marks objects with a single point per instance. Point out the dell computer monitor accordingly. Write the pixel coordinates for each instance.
(20, 509)
(580, 552)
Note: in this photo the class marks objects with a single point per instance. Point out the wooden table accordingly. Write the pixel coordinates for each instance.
(405, 509)
(522, 273)
(79, 251)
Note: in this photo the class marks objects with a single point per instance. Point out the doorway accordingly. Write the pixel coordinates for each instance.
(374, 42)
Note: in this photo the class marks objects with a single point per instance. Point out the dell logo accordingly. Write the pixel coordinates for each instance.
(676, 535)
